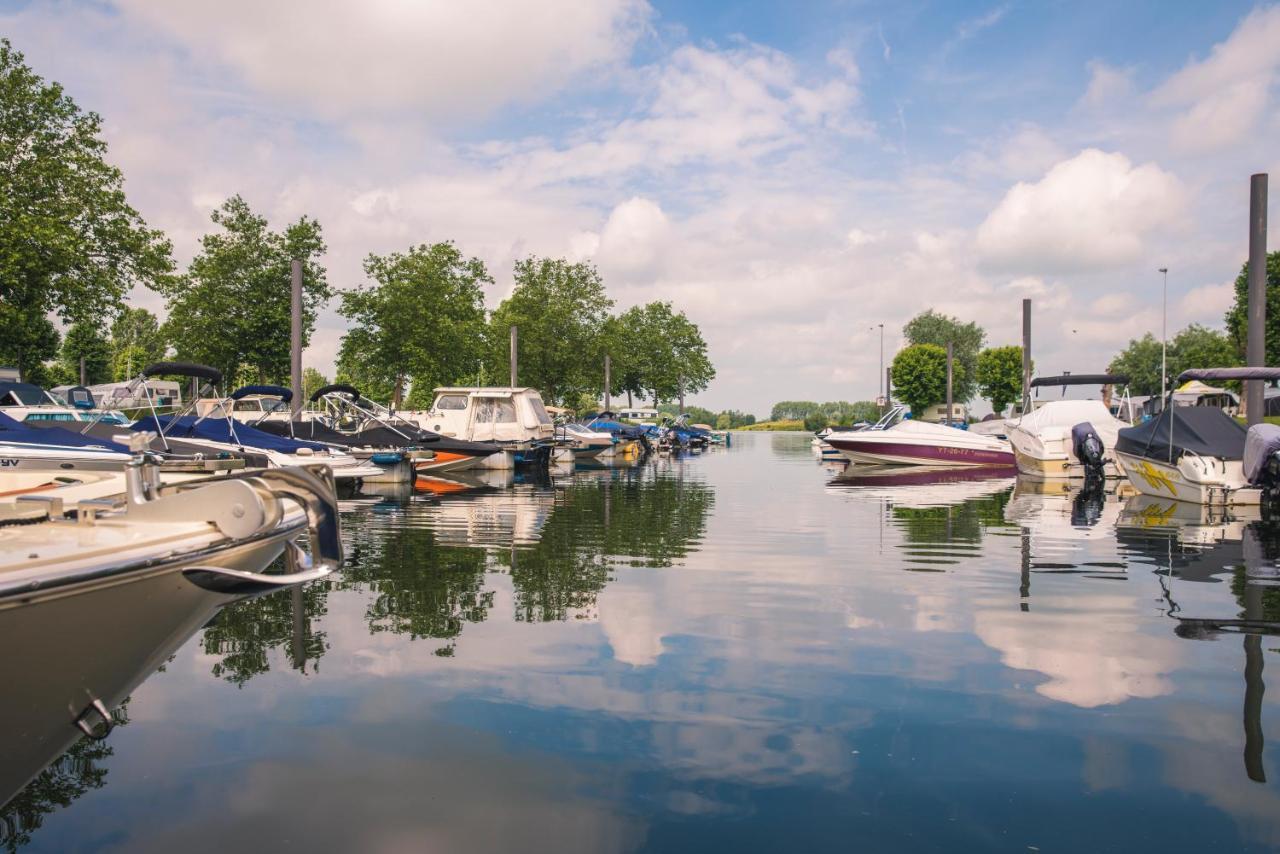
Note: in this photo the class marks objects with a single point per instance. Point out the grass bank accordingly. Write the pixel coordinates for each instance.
(774, 425)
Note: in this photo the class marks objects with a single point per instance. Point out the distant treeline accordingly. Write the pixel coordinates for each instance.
(728, 419)
(818, 415)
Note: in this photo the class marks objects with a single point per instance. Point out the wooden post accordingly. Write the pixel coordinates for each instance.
(606, 382)
(82, 382)
(1026, 356)
(1256, 347)
(515, 347)
(295, 334)
(949, 376)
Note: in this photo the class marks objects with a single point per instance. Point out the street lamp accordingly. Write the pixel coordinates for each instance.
(1164, 332)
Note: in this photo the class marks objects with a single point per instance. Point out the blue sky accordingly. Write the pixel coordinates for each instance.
(791, 175)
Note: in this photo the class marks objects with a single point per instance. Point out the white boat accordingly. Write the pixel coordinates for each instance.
(1198, 454)
(895, 440)
(585, 442)
(1049, 441)
(514, 418)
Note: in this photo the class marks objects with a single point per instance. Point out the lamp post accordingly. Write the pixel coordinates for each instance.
(1164, 332)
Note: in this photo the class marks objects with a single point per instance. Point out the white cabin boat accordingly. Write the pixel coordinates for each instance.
(513, 417)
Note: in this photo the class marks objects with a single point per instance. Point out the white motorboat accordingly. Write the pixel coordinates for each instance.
(585, 442)
(514, 418)
(896, 440)
(1201, 455)
(1051, 441)
(823, 451)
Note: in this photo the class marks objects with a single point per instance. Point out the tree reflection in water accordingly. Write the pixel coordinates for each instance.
(65, 780)
(244, 634)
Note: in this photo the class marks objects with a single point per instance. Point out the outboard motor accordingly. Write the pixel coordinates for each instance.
(1262, 462)
(1087, 445)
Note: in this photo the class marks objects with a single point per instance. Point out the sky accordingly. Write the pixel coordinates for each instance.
(791, 176)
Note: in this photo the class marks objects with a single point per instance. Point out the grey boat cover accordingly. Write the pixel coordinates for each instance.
(1262, 441)
(1202, 430)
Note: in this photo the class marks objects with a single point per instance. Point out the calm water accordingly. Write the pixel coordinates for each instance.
(723, 653)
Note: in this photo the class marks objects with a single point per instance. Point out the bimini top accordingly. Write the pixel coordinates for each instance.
(16, 431)
(1202, 430)
(184, 369)
(279, 391)
(1229, 374)
(218, 430)
(1081, 379)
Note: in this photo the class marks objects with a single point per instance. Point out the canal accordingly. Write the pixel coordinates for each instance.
(730, 652)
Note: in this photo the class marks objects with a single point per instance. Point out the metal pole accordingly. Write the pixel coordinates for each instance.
(886, 393)
(1026, 356)
(515, 347)
(1256, 348)
(606, 382)
(949, 357)
(82, 382)
(1164, 332)
(295, 334)
(681, 389)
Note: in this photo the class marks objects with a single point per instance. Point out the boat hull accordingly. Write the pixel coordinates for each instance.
(1161, 479)
(1059, 468)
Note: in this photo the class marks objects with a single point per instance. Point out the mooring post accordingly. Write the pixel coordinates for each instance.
(1256, 348)
(295, 335)
(1026, 356)
(949, 358)
(606, 382)
(82, 382)
(515, 346)
(888, 388)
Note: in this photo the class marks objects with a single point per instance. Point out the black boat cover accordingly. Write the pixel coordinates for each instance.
(379, 437)
(1203, 430)
(1080, 379)
(1262, 441)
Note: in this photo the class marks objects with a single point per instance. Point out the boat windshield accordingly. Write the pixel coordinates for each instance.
(890, 418)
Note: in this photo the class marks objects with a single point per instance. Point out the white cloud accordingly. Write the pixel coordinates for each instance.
(442, 58)
(1222, 97)
(1108, 86)
(1091, 212)
(633, 241)
(1207, 304)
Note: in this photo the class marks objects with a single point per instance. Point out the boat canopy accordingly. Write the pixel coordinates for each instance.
(336, 388)
(266, 390)
(218, 430)
(1229, 374)
(23, 394)
(1177, 430)
(16, 431)
(184, 369)
(1080, 379)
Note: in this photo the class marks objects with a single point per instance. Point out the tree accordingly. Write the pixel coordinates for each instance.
(1198, 347)
(231, 309)
(85, 340)
(136, 341)
(966, 339)
(560, 309)
(1238, 315)
(69, 241)
(920, 376)
(27, 343)
(999, 376)
(312, 379)
(792, 410)
(1140, 362)
(421, 319)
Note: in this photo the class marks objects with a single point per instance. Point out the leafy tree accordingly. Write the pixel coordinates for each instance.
(920, 376)
(69, 241)
(664, 352)
(1000, 376)
(421, 319)
(27, 343)
(85, 340)
(1140, 362)
(1238, 315)
(561, 309)
(231, 309)
(792, 410)
(136, 341)
(312, 380)
(735, 419)
(966, 339)
(1198, 347)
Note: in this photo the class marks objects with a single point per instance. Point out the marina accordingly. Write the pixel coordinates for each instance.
(626, 659)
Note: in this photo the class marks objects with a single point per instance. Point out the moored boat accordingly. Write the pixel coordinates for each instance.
(895, 440)
(1054, 439)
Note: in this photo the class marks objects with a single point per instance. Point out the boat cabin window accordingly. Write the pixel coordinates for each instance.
(495, 410)
(539, 410)
(50, 416)
(452, 402)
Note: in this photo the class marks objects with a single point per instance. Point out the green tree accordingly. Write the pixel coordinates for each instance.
(312, 379)
(136, 341)
(920, 376)
(69, 241)
(999, 376)
(966, 339)
(85, 340)
(792, 410)
(231, 309)
(1199, 347)
(664, 353)
(1238, 315)
(420, 320)
(560, 309)
(1140, 362)
(27, 343)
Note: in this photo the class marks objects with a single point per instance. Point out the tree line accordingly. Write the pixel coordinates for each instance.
(72, 248)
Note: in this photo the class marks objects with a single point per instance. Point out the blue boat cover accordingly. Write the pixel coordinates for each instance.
(217, 430)
(16, 431)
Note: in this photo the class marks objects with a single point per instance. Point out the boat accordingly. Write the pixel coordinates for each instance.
(1200, 455)
(823, 451)
(1056, 439)
(512, 417)
(897, 440)
(138, 575)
